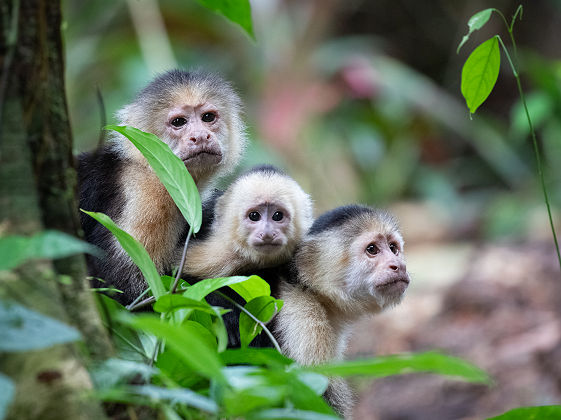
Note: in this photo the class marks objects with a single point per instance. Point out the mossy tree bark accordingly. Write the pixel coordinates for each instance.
(37, 191)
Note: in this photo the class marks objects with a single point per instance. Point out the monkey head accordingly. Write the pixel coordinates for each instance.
(197, 114)
(354, 256)
(270, 214)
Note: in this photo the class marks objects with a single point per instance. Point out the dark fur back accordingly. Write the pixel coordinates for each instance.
(337, 217)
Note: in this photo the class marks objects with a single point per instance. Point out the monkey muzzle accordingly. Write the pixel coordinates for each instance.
(203, 157)
(393, 285)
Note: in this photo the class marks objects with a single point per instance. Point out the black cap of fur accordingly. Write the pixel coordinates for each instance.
(266, 168)
(338, 216)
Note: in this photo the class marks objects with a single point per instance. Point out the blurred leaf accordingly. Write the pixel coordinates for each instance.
(507, 216)
(186, 340)
(480, 73)
(429, 362)
(546, 412)
(155, 394)
(316, 382)
(7, 390)
(255, 356)
(114, 371)
(171, 171)
(237, 11)
(476, 22)
(23, 329)
(263, 308)
(136, 252)
(49, 244)
(540, 106)
(202, 288)
(290, 414)
(253, 287)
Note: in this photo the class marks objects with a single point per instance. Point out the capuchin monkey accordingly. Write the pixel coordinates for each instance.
(198, 115)
(350, 264)
(251, 228)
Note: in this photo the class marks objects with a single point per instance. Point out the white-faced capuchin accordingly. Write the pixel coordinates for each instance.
(349, 265)
(251, 228)
(199, 115)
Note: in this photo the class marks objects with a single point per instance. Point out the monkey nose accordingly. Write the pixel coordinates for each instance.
(198, 137)
(394, 267)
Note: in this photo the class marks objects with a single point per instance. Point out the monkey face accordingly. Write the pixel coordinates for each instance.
(196, 135)
(267, 228)
(377, 268)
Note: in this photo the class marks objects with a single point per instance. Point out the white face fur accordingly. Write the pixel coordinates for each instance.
(377, 269)
(266, 228)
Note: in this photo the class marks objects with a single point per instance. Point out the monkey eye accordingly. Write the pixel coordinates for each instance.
(254, 216)
(394, 248)
(208, 117)
(178, 122)
(277, 217)
(372, 249)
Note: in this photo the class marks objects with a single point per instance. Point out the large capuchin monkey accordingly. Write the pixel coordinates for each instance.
(350, 264)
(198, 115)
(253, 227)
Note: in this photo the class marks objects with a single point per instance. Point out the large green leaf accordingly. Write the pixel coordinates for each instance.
(263, 308)
(187, 342)
(49, 244)
(253, 287)
(23, 329)
(136, 252)
(429, 362)
(480, 73)
(169, 303)
(7, 389)
(475, 23)
(237, 11)
(170, 170)
(546, 412)
(202, 288)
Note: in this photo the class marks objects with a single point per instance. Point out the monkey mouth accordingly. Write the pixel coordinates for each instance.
(394, 285)
(205, 156)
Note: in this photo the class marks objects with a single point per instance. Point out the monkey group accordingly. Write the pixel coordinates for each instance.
(330, 272)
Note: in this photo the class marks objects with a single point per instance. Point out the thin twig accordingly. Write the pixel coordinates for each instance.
(132, 305)
(182, 263)
(241, 308)
(142, 304)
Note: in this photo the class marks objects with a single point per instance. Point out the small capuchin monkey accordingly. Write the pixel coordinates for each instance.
(198, 115)
(350, 264)
(251, 228)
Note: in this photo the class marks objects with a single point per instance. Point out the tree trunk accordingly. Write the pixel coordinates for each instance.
(37, 191)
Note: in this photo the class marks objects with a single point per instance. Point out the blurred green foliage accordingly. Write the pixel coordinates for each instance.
(359, 101)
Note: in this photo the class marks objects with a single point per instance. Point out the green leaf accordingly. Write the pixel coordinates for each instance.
(49, 244)
(429, 362)
(136, 251)
(475, 23)
(263, 308)
(157, 394)
(255, 356)
(23, 329)
(546, 412)
(253, 287)
(290, 414)
(187, 340)
(170, 170)
(480, 73)
(202, 288)
(237, 11)
(169, 303)
(7, 390)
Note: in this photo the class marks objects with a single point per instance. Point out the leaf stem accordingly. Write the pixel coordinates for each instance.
(241, 308)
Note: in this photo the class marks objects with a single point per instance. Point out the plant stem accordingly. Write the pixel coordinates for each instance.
(241, 308)
(530, 125)
(182, 263)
